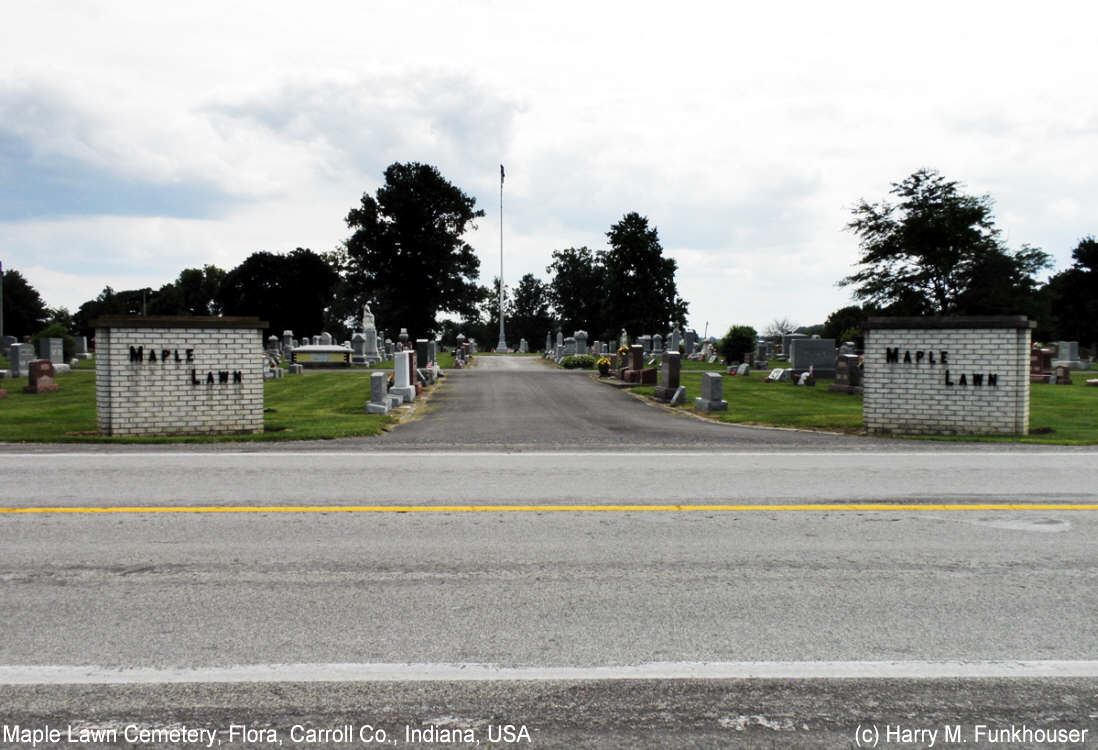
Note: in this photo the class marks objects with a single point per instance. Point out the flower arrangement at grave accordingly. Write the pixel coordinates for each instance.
(604, 366)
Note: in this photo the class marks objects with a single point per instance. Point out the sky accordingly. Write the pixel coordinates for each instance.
(138, 139)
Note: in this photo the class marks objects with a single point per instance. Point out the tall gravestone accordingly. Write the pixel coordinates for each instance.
(581, 342)
(379, 401)
(569, 346)
(370, 351)
(403, 385)
(52, 349)
(645, 343)
(548, 342)
(669, 376)
(19, 357)
(691, 342)
(676, 338)
(423, 357)
(818, 354)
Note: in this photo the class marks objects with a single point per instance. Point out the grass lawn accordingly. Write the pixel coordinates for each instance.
(1059, 414)
(308, 407)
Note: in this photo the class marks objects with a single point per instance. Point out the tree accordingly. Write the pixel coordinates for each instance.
(930, 253)
(290, 292)
(25, 312)
(1073, 298)
(406, 255)
(780, 327)
(198, 288)
(576, 290)
(846, 323)
(738, 341)
(529, 315)
(640, 283)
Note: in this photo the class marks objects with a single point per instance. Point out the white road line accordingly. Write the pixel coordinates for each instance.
(83, 675)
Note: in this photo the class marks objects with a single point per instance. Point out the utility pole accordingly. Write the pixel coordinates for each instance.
(1, 299)
(502, 345)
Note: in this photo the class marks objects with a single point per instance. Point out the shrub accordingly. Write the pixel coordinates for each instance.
(738, 340)
(578, 362)
(56, 331)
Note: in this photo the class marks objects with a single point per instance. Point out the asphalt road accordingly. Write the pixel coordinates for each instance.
(754, 627)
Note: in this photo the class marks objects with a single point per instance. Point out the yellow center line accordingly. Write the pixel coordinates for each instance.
(845, 507)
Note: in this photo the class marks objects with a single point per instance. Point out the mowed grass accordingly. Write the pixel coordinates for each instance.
(320, 406)
(1059, 414)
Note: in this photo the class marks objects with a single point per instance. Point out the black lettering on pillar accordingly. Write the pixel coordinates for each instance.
(977, 379)
(992, 380)
(948, 381)
(194, 377)
(223, 376)
(238, 377)
(892, 355)
(137, 354)
(209, 378)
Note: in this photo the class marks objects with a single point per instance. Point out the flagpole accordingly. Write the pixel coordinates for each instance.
(502, 345)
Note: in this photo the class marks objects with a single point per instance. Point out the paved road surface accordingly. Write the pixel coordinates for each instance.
(954, 595)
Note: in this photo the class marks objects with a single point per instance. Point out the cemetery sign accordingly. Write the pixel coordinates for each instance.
(947, 376)
(178, 375)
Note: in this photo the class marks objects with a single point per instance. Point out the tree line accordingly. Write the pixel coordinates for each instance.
(406, 256)
(930, 249)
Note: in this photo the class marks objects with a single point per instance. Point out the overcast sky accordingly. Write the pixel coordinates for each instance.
(138, 139)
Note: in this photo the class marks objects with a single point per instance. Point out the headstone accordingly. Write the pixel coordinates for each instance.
(848, 376)
(787, 341)
(605, 349)
(548, 342)
(358, 349)
(19, 358)
(691, 342)
(379, 392)
(402, 377)
(596, 347)
(524, 348)
(645, 343)
(636, 357)
(316, 340)
(710, 399)
(623, 338)
(288, 343)
(40, 377)
(712, 358)
(669, 376)
(1067, 354)
(273, 344)
(423, 356)
(52, 349)
(5, 344)
(777, 375)
(432, 352)
(818, 354)
(657, 344)
(569, 346)
(296, 369)
(581, 341)
(679, 398)
(848, 347)
(403, 336)
(676, 338)
(81, 350)
(1062, 373)
(743, 369)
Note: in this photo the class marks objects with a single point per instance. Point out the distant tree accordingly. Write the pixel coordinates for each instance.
(641, 295)
(406, 255)
(529, 315)
(56, 330)
(812, 330)
(846, 319)
(780, 327)
(62, 317)
(577, 290)
(483, 326)
(738, 341)
(937, 251)
(1072, 296)
(25, 312)
(290, 292)
(198, 288)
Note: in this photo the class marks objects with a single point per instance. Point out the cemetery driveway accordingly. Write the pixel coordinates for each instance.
(522, 402)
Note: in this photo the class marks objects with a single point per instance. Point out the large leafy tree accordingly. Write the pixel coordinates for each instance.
(1073, 296)
(406, 255)
(937, 251)
(25, 312)
(289, 291)
(576, 290)
(641, 295)
(529, 316)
